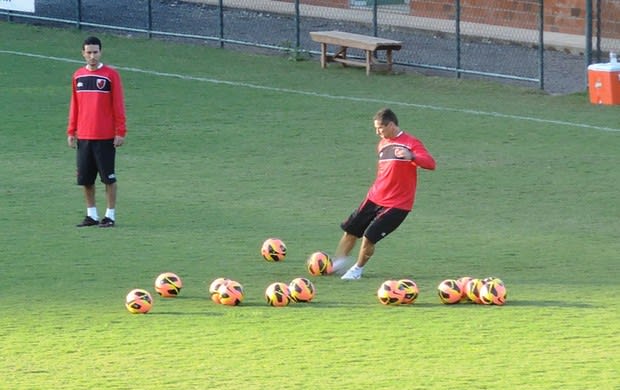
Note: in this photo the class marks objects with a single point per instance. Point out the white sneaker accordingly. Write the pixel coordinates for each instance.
(354, 273)
(340, 264)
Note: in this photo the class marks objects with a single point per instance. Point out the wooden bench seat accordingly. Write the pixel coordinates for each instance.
(345, 40)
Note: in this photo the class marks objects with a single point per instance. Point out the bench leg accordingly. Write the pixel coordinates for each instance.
(389, 60)
(368, 61)
(323, 55)
(342, 53)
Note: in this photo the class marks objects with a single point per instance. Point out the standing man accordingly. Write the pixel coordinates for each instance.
(96, 127)
(391, 196)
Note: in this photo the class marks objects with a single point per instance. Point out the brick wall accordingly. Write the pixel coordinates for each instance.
(565, 16)
(324, 3)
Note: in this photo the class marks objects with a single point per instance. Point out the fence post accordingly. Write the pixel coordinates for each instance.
(598, 30)
(149, 22)
(457, 21)
(541, 45)
(374, 19)
(78, 19)
(221, 24)
(588, 34)
(297, 27)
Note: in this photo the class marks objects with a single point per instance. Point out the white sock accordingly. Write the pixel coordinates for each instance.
(110, 213)
(92, 212)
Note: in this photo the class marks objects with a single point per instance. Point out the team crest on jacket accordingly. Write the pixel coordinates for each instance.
(101, 83)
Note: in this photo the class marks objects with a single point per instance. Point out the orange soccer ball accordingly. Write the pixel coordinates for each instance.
(319, 263)
(273, 250)
(472, 290)
(231, 293)
(301, 290)
(391, 292)
(493, 292)
(168, 285)
(214, 289)
(449, 291)
(138, 301)
(462, 282)
(278, 294)
(410, 289)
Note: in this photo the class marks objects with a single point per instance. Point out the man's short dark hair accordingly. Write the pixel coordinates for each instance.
(92, 41)
(385, 116)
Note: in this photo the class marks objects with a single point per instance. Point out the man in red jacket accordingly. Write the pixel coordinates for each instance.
(391, 196)
(96, 127)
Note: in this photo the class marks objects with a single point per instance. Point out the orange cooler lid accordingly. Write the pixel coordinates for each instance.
(605, 67)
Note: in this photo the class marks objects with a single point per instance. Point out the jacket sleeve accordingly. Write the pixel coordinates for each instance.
(118, 101)
(73, 111)
(423, 158)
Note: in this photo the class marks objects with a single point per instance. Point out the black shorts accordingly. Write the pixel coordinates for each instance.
(373, 221)
(95, 157)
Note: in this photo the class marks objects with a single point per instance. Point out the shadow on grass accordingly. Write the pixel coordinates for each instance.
(317, 305)
(183, 313)
(465, 306)
(549, 303)
(520, 303)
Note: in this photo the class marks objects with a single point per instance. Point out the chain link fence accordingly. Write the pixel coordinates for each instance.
(500, 39)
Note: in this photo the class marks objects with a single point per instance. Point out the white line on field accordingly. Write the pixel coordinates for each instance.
(326, 96)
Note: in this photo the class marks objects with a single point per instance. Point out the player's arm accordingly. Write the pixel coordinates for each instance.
(118, 102)
(72, 121)
(421, 157)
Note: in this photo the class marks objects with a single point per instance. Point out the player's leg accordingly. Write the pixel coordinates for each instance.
(346, 245)
(86, 175)
(89, 196)
(110, 195)
(342, 259)
(386, 221)
(105, 155)
(354, 228)
(367, 249)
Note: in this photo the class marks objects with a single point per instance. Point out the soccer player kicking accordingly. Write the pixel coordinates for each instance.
(390, 198)
(96, 127)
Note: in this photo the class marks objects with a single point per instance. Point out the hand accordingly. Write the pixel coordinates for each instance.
(71, 141)
(404, 153)
(118, 141)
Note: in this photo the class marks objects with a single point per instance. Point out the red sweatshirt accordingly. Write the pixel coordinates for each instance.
(97, 109)
(396, 181)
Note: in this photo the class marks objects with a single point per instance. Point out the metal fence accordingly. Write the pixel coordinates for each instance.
(455, 46)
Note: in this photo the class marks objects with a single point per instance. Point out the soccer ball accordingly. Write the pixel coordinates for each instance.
(168, 285)
(214, 288)
(231, 293)
(491, 278)
(273, 249)
(301, 290)
(449, 291)
(462, 282)
(493, 292)
(411, 290)
(319, 263)
(472, 290)
(391, 293)
(278, 294)
(139, 301)
(483, 297)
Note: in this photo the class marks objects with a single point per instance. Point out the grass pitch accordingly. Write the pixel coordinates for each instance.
(226, 149)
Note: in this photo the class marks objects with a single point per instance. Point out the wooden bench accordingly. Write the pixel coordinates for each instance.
(349, 40)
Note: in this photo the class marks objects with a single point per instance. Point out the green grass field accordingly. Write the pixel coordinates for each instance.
(226, 149)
